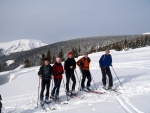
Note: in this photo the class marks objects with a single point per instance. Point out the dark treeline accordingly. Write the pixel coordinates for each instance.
(126, 44)
(77, 46)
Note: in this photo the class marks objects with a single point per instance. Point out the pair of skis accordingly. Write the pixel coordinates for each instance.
(112, 90)
(74, 96)
(44, 108)
(95, 92)
(102, 92)
(82, 97)
(58, 100)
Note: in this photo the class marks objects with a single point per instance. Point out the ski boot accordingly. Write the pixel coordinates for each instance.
(57, 96)
(68, 93)
(89, 88)
(110, 88)
(73, 93)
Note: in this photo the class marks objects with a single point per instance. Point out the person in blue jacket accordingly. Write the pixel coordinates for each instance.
(105, 62)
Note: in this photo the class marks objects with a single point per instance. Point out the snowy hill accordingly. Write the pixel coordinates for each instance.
(147, 33)
(20, 45)
(19, 87)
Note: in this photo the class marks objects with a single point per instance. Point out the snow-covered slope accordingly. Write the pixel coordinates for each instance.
(147, 33)
(19, 87)
(9, 62)
(20, 45)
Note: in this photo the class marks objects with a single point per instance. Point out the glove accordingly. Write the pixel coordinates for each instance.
(82, 68)
(59, 73)
(52, 77)
(40, 76)
(71, 67)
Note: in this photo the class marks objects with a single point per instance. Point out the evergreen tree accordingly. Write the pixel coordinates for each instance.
(61, 54)
(27, 63)
(126, 46)
(75, 52)
(53, 59)
(79, 50)
(118, 47)
(92, 50)
(147, 40)
(138, 44)
(48, 55)
(42, 58)
(1, 68)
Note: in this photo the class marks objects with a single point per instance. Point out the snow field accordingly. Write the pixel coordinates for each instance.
(19, 87)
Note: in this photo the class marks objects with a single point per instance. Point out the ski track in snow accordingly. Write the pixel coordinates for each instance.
(132, 71)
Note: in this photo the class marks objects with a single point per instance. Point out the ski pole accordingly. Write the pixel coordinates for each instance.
(38, 92)
(65, 89)
(57, 89)
(78, 79)
(118, 79)
(64, 83)
(71, 82)
(94, 82)
(51, 88)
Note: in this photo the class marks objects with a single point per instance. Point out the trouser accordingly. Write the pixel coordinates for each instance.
(0, 106)
(45, 83)
(72, 76)
(86, 74)
(57, 83)
(106, 71)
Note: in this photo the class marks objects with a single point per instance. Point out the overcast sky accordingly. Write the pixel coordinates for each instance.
(57, 20)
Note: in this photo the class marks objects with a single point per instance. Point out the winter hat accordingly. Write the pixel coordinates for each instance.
(70, 53)
(46, 59)
(107, 49)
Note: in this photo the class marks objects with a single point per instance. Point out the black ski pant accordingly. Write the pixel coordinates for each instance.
(57, 83)
(45, 83)
(72, 77)
(0, 106)
(86, 74)
(106, 71)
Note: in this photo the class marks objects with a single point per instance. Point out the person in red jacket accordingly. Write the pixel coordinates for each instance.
(57, 72)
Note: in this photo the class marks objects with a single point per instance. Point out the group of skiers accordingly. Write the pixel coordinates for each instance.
(55, 72)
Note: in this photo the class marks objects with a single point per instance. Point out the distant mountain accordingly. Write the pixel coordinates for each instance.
(19, 46)
(89, 44)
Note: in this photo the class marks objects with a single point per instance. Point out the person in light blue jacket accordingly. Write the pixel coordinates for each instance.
(105, 62)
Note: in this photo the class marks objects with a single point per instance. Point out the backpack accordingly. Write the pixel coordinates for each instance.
(104, 57)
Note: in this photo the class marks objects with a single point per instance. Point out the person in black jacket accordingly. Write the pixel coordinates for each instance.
(0, 104)
(70, 66)
(45, 74)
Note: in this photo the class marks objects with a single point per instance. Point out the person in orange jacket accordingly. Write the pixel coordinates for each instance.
(84, 64)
